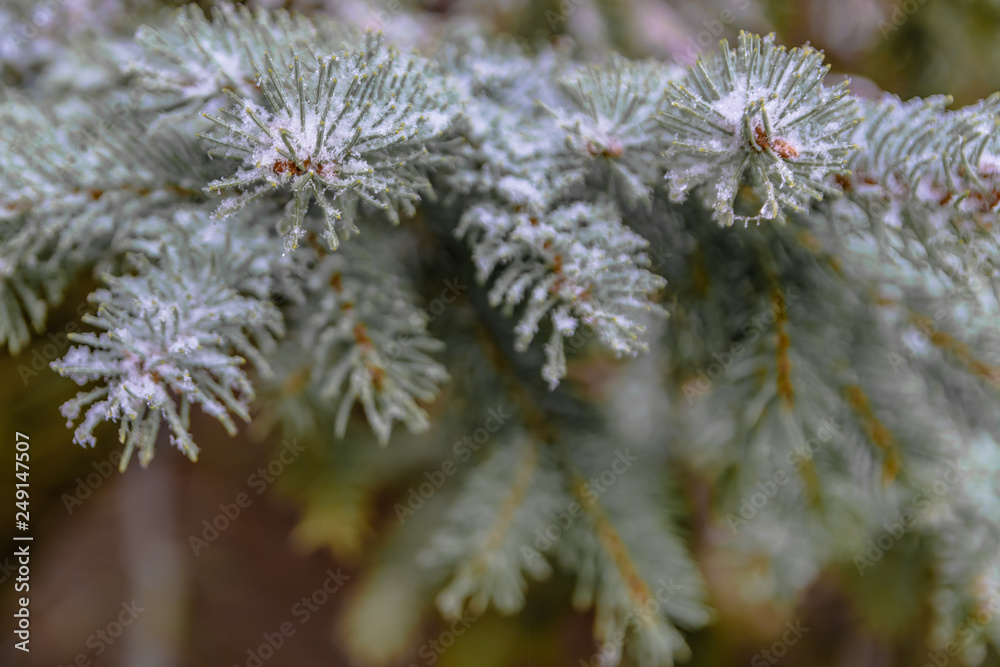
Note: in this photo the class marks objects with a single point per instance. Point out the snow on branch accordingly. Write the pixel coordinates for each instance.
(191, 61)
(338, 129)
(171, 337)
(370, 345)
(576, 264)
(758, 115)
(927, 182)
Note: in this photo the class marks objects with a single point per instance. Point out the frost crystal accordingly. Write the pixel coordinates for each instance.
(757, 116)
(618, 130)
(370, 345)
(168, 334)
(348, 127)
(576, 264)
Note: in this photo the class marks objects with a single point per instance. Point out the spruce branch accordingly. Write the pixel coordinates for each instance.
(167, 343)
(611, 125)
(632, 568)
(369, 344)
(758, 115)
(927, 184)
(575, 265)
(565, 190)
(488, 535)
(63, 197)
(354, 124)
(190, 62)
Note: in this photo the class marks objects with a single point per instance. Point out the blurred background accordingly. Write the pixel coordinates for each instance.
(104, 539)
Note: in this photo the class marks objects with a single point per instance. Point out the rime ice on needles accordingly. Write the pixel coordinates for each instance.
(575, 264)
(38, 209)
(571, 260)
(168, 339)
(615, 121)
(195, 58)
(341, 128)
(64, 189)
(370, 345)
(510, 151)
(760, 116)
(927, 181)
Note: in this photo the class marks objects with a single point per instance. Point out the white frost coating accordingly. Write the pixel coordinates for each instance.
(742, 118)
(184, 345)
(150, 367)
(573, 264)
(576, 264)
(208, 54)
(520, 192)
(928, 181)
(337, 130)
(370, 344)
(618, 129)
